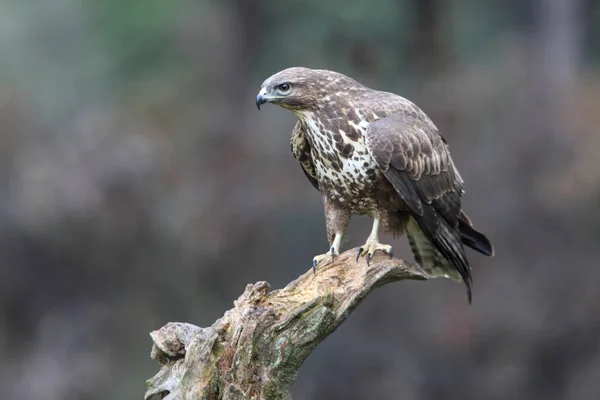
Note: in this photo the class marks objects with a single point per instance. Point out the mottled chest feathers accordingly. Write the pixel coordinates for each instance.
(340, 140)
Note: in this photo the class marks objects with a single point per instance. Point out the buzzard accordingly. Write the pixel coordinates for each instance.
(377, 154)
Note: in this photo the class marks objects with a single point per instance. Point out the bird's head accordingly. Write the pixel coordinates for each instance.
(299, 89)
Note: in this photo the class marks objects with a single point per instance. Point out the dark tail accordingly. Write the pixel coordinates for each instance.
(472, 238)
(447, 241)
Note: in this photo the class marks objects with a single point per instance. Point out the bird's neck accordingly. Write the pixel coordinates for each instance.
(304, 115)
(321, 128)
(311, 122)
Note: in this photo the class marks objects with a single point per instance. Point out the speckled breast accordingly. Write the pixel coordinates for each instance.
(345, 169)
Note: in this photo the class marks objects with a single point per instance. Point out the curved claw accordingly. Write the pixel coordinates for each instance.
(360, 250)
(332, 252)
(370, 248)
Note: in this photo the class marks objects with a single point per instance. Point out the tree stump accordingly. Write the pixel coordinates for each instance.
(256, 349)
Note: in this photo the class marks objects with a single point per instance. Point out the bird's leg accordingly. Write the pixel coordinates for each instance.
(336, 221)
(333, 251)
(372, 244)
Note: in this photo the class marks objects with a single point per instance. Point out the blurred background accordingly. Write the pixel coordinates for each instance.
(140, 185)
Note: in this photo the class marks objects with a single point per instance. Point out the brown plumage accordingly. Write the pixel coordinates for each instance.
(377, 154)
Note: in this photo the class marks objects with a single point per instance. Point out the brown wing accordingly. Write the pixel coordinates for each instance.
(415, 159)
(301, 152)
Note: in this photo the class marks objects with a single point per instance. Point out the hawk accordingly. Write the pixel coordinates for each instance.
(377, 154)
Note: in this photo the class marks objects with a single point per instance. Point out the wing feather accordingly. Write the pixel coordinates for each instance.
(301, 151)
(415, 159)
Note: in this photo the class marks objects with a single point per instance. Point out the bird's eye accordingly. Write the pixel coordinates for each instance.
(284, 87)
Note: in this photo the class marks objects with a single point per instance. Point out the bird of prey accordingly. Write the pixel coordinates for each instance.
(377, 154)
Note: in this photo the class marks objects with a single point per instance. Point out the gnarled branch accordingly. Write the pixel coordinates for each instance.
(256, 349)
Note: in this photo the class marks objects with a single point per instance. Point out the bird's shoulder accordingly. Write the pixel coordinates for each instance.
(383, 104)
(404, 140)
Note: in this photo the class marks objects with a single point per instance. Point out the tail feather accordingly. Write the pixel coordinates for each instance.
(440, 253)
(426, 254)
(472, 238)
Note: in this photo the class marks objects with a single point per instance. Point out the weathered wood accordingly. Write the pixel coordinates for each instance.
(256, 349)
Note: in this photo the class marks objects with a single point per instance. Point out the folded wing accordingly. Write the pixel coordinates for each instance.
(415, 159)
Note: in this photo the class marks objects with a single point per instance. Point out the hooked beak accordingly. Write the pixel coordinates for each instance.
(261, 98)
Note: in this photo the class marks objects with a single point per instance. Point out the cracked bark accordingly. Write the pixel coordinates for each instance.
(257, 348)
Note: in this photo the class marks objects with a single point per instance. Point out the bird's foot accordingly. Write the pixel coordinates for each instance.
(369, 248)
(329, 255)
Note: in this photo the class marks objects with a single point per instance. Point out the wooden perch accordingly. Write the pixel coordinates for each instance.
(256, 349)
